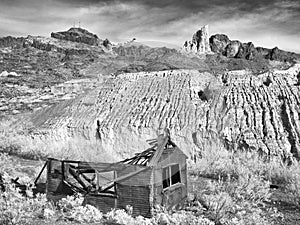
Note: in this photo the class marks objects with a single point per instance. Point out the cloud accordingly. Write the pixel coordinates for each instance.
(265, 22)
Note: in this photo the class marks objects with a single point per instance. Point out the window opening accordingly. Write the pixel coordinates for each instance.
(171, 175)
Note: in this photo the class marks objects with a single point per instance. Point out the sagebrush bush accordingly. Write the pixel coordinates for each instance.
(120, 216)
(186, 218)
(71, 208)
(16, 208)
(238, 187)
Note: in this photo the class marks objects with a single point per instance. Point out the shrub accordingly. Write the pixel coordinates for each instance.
(238, 187)
(120, 216)
(235, 200)
(188, 218)
(71, 208)
(18, 209)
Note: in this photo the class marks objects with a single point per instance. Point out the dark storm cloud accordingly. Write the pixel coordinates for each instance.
(265, 22)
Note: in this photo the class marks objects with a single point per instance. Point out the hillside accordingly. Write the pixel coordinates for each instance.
(84, 88)
(33, 68)
(257, 113)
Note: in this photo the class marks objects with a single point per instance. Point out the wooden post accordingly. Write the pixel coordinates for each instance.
(115, 189)
(38, 177)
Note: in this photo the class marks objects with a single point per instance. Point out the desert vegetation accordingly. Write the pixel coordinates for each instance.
(244, 186)
(224, 188)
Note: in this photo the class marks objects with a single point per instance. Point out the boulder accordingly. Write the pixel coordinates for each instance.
(263, 51)
(218, 43)
(247, 51)
(107, 44)
(233, 48)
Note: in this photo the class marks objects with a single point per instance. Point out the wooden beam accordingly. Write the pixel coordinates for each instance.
(162, 141)
(38, 177)
(124, 177)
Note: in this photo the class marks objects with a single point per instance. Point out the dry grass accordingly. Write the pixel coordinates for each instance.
(239, 184)
(25, 145)
(237, 192)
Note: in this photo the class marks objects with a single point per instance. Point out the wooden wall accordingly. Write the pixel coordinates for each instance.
(135, 196)
(141, 191)
(175, 194)
(141, 179)
(135, 191)
(103, 203)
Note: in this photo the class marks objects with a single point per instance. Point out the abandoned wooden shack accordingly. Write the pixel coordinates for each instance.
(156, 176)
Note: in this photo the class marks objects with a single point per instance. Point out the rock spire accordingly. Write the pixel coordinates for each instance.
(199, 43)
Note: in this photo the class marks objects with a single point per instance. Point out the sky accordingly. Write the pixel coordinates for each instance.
(267, 23)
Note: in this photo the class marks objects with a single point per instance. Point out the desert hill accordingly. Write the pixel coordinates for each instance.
(40, 71)
(112, 97)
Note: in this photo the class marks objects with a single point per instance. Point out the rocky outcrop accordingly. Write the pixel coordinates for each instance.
(107, 44)
(15, 42)
(199, 43)
(247, 51)
(77, 35)
(280, 55)
(221, 44)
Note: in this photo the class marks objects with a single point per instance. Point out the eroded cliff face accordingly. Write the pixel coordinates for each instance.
(260, 112)
(122, 113)
(243, 110)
